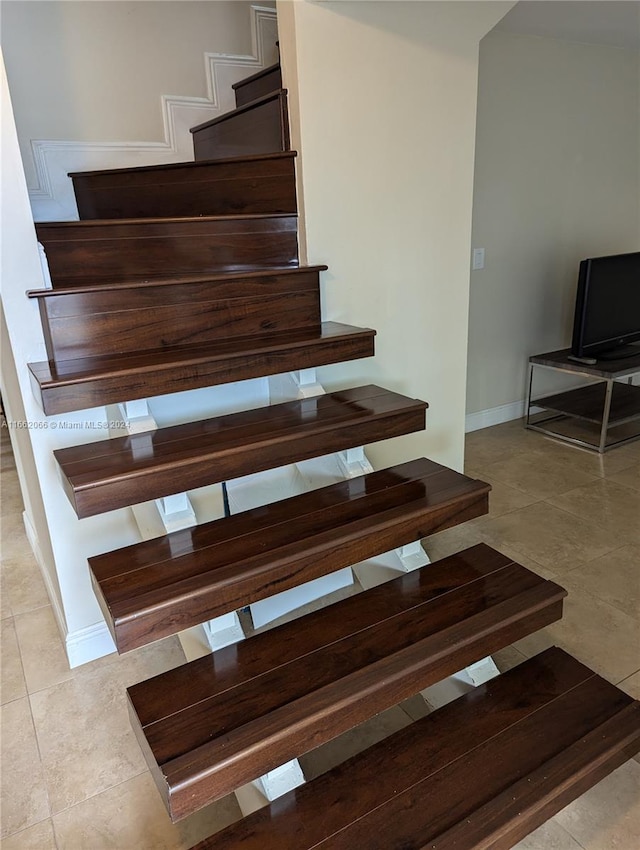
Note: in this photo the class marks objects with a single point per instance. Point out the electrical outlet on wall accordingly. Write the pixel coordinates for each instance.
(478, 259)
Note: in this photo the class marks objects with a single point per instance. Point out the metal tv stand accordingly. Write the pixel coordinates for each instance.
(600, 415)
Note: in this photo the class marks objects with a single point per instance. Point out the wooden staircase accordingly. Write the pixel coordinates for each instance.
(186, 276)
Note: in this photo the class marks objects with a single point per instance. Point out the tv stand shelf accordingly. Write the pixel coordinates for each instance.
(599, 415)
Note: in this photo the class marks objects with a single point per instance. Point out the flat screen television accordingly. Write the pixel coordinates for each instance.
(607, 317)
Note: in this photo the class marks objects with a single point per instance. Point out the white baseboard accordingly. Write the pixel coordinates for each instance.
(87, 644)
(82, 645)
(32, 537)
(494, 416)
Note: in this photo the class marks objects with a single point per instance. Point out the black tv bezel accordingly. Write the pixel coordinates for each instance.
(578, 348)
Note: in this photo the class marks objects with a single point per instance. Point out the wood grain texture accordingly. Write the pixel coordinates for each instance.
(100, 251)
(602, 369)
(110, 474)
(256, 184)
(104, 321)
(79, 384)
(261, 126)
(228, 718)
(479, 774)
(587, 403)
(263, 82)
(158, 587)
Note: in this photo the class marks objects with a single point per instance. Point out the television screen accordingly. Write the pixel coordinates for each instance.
(607, 305)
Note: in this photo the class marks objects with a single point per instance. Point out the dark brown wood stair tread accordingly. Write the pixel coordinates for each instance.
(104, 321)
(246, 107)
(263, 183)
(256, 82)
(263, 72)
(190, 163)
(221, 278)
(88, 382)
(111, 250)
(222, 720)
(111, 474)
(482, 772)
(160, 586)
(120, 223)
(265, 81)
(260, 125)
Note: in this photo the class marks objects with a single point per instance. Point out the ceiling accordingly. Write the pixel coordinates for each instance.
(590, 21)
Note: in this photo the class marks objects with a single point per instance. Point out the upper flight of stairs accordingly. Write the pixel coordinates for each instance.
(185, 276)
(145, 306)
(156, 588)
(258, 125)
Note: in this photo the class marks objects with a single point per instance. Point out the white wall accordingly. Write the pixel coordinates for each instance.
(34, 517)
(556, 180)
(383, 115)
(20, 270)
(110, 84)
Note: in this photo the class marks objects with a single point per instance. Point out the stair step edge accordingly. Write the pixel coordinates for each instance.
(263, 72)
(166, 359)
(191, 163)
(87, 223)
(259, 101)
(172, 281)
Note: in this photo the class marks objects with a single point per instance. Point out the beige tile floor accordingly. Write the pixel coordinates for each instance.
(73, 777)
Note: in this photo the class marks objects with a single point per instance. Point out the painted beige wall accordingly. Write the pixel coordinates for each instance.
(384, 121)
(556, 180)
(95, 71)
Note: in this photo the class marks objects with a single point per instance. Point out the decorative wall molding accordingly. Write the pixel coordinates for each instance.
(494, 416)
(52, 197)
